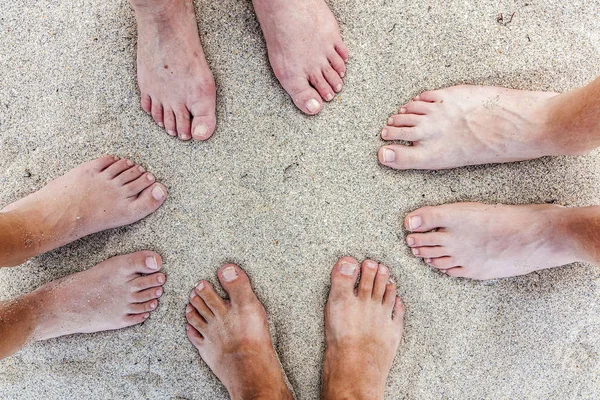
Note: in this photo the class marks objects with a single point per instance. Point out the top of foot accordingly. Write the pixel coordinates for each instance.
(363, 330)
(468, 125)
(232, 337)
(175, 82)
(305, 49)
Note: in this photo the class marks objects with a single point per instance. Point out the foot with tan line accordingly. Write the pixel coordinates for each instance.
(101, 194)
(481, 241)
(119, 292)
(363, 329)
(232, 337)
(469, 125)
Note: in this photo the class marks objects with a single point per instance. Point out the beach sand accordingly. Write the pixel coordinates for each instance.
(285, 195)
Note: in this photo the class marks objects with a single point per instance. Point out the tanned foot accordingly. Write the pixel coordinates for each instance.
(482, 241)
(176, 84)
(363, 328)
(232, 337)
(305, 49)
(119, 292)
(469, 125)
(105, 193)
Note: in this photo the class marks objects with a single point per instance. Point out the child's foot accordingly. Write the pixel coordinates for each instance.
(232, 337)
(101, 194)
(482, 241)
(363, 329)
(176, 84)
(116, 293)
(305, 49)
(468, 125)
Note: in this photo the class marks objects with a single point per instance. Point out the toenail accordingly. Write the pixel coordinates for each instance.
(390, 121)
(153, 305)
(161, 279)
(158, 292)
(161, 124)
(389, 155)
(193, 294)
(185, 136)
(410, 241)
(329, 96)
(384, 133)
(417, 97)
(428, 260)
(116, 158)
(347, 268)
(230, 274)
(158, 193)
(129, 163)
(188, 309)
(146, 316)
(383, 269)
(171, 133)
(338, 87)
(151, 263)
(150, 177)
(371, 264)
(342, 74)
(415, 222)
(312, 105)
(416, 252)
(391, 281)
(200, 286)
(403, 110)
(201, 130)
(141, 169)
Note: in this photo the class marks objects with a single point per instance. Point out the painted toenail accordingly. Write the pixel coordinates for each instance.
(312, 105)
(141, 169)
(347, 268)
(151, 263)
(129, 163)
(150, 177)
(201, 130)
(415, 222)
(389, 156)
(416, 252)
(160, 279)
(230, 274)
(338, 87)
(383, 269)
(158, 193)
(371, 264)
(188, 309)
(158, 292)
(390, 121)
(410, 241)
(328, 97)
(200, 286)
(170, 133)
(384, 133)
(153, 305)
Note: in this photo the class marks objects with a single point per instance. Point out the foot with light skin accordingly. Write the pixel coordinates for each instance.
(119, 292)
(101, 194)
(232, 337)
(363, 329)
(305, 48)
(176, 85)
(470, 125)
(481, 241)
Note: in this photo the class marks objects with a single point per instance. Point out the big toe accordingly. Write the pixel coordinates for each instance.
(306, 98)
(236, 283)
(203, 119)
(148, 200)
(426, 219)
(343, 277)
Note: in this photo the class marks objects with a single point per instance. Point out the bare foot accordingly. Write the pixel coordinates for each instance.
(482, 241)
(176, 84)
(469, 125)
(116, 293)
(232, 337)
(101, 194)
(305, 48)
(363, 329)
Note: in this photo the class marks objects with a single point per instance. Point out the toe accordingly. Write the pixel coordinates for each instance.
(318, 81)
(135, 187)
(148, 200)
(146, 103)
(157, 113)
(337, 63)
(207, 293)
(427, 239)
(428, 96)
(399, 311)
(129, 174)
(141, 262)
(203, 119)
(333, 78)
(193, 335)
(236, 283)
(116, 168)
(409, 134)
(148, 281)
(195, 319)
(381, 281)
(425, 219)
(134, 319)
(389, 297)
(430, 251)
(400, 120)
(417, 107)
(342, 50)
(442, 262)
(343, 277)
(306, 98)
(199, 304)
(169, 120)
(147, 295)
(100, 164)
(367, 278)
(140, 308)
(457, 272)
(401, 157)
(182, 116)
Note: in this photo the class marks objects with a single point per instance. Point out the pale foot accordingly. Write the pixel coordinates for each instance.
(105, 193)
(305, 49)
(119, 292)
(482, 241)
(175, 82)
(232, 337)
(363, 329)
(469, 125)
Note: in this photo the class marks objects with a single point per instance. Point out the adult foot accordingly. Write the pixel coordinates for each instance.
(482, 241)
(469, 125)
(101, 194)
(176, 85)
(363, 328)
(305, 49)
(119, 292)
(232, 337)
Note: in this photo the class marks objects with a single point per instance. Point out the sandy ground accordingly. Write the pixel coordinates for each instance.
(285, 195)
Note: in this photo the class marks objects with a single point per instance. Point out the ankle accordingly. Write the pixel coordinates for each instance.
(582, 227)
(159, 9)
(18, 240)
(258, 391)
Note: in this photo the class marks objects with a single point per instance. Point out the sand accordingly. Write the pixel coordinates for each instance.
(284, 195)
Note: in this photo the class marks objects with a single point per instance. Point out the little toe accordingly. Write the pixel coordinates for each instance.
(389, 297)
(342, 50)
(236, 283)
(157, 113)
(182, 116)
(333, 78)
(203, 119)
(139, 308)
(398, 312)
(146, 295)
(409, 134)
(367, 278)
(210, 297)
(430, 251)
(318, 81)
(442, 262)
(417, 107)
(194, 336)
(100, 164)
(430, 96)
(136, 187)
(381, 281)
(148, 200)
(343, 277)
(117, 167)
(199, 304)
(146, 103)
(148, 281)
(337, 63)
(129, 175)
(425, 219)
(401, 156)
(134, 319)
(400, 120)
(169, 121)
(457, 272)
(195, 319)
(427, 239)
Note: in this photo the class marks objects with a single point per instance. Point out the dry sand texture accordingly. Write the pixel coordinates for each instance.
(284, 195)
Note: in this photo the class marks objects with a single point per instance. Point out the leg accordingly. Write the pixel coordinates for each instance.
(363, 329)
(483, 241)
(176, 85)
(305, 49)
(116, 293)
(233, 337)
(468, 125)
(95, 196)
